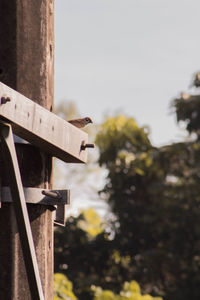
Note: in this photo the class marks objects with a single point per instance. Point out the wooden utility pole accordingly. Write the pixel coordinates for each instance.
(27, 65)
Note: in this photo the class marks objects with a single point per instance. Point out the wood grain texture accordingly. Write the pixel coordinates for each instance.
(43, 128)
(21, 213)
(27, 66)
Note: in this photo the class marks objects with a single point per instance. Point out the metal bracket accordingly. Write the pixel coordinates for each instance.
(9, 155)
(57, 198)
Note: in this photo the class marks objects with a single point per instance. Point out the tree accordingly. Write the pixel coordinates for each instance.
(154, 193)
(100, 258)
(89, 261)
(187, 108)
(63, 288)
(78, 254)
(154, 196)
(131, 291)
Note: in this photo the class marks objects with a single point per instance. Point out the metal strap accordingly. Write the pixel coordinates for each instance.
(58, 199)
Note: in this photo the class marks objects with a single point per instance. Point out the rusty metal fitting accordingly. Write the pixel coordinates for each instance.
(54, 195)
(4, 100)
(84, 146)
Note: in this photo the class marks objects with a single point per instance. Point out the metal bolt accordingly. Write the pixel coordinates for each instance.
(3, 100)
(54, 195)
(84, 146)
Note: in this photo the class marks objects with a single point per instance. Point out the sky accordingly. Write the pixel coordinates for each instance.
(127, 56)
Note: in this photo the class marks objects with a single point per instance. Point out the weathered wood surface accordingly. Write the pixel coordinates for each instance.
(42, 128)
(27, 66)
(21, 212)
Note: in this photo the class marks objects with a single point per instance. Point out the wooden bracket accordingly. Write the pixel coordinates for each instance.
(9, 155)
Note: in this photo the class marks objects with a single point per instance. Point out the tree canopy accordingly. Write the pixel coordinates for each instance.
(154, 195)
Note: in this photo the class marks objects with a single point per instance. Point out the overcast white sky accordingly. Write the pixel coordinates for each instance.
(128, 55)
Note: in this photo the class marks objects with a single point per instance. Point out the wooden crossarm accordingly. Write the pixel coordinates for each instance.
(42, 128)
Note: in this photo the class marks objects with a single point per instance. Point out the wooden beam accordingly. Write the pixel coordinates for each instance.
(43, 128)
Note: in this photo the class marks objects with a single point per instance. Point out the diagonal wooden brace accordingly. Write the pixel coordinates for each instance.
(13, 173)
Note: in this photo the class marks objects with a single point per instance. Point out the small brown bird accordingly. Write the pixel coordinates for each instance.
(80, 123)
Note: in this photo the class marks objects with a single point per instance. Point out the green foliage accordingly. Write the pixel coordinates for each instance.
(154, 234)
(63, 288)
(91, 222)
(130, 291)
(154, 193)
(118, 134)
(83, 258)
(187, 108)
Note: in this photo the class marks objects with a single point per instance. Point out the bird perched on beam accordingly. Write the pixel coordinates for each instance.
(80, 123)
